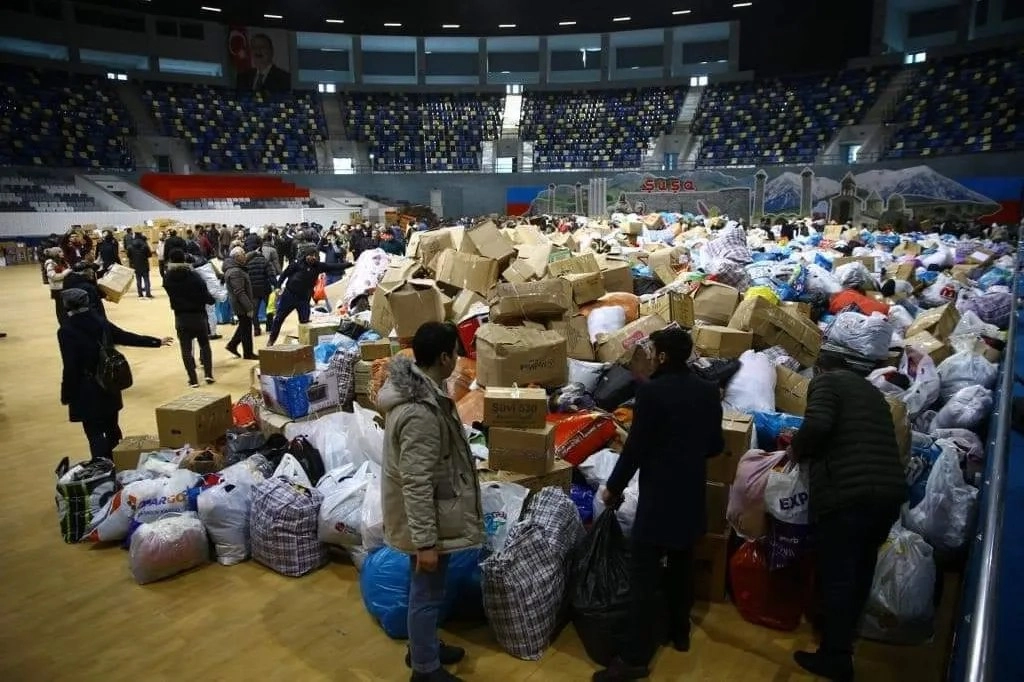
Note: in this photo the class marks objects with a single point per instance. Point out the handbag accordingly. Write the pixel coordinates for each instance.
(113, 372)
(82, 493)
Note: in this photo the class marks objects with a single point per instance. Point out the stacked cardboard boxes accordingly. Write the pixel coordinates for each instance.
(292, 386)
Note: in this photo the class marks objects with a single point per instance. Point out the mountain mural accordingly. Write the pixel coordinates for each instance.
(917, 182)
(782, 193)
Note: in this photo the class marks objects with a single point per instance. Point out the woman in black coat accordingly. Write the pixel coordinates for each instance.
(79, 336)
(677, 426)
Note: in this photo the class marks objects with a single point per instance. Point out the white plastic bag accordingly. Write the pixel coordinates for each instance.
(291, 469)
(597, 468)
(821, 281)
(901, 607)
(943, 257)
(224, 511)
(341, 512)
(626, 513)
(371, 519)
(852, 275)
(365, 437)
(502, 504)
(787, 496)
(946, 514)
(900, 318)
(752, 388)
(940, 292)
(328, 435)
(968, 407)
(964, 369)
(866, 335)
(166, 547)
(605, 320)
(925, 386)
(586, 373)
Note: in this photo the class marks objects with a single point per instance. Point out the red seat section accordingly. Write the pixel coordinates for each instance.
(173, 188)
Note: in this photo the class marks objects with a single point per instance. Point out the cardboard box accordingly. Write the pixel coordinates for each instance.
(519, 272)
(524, 451)
(517, 408)
(939, 322)
(833, 233)
(790, 391)
(633, 229)
(618, 346)
(937, 350)
(466, 271)
(716, 501)
(797, 308)
(400, 269)
(413, 303)
(714, 303)
(287, 360)
(548, 298)
(468, 304)
(272, 422)
(673, 306)
(521, 356)
(382, 320)
(427, 246)
(981, 257)
(126, 454)
(116, 282)
(867, 261)
(900, 421)
(578, 265)
(301, 395)
(586, 287)
(310, 333)
(533, 260)
(714, 341)
(559, 476)
(907, 248)
(617, 275)
(195, 419)
(577, 336)
(737, 430)
(710, 563)
(528, 234)
(564, 239)
(772, 326)
(374, 350)
(906, 272)
(485, 239)
(663, 263)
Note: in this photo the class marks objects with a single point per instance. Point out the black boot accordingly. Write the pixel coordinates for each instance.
(448, 655)
(620, 671)
(439, 675)
(835, 667)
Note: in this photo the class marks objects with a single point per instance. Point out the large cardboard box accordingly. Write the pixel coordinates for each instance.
(413, 303)
(400, 269)
(517, 408)
(617, 275)
(798, 308)
(195, 419)
(867, 261)
(663, 263)
(547, 298)
(521, 356)
(578, 265)
(577, 336)
(528, 234)
(790, 391)
(926, 343)
(714, 341)
(374, 350)
(468, 304)
(714, 303)
(618, 346)
(533, 261)
(737, 429)
(126, 454)
(116, 282)
(466, 271)
(772, 326)
(906, 272)
(716, 501)
(485, 239)
(586, 287)
(524, 451)
(564, 239)
(673, 306)
(939, 322)
(519, 272)
(559, 476)
(900, 421)
(298, 396)
(427, 246)
(381, 319)
(710, 563)
(287, 360)
(310, 332)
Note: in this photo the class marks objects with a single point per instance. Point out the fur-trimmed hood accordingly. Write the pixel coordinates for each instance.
(406, 383)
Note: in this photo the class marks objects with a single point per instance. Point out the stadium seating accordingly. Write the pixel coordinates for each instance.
(965, 104)
(417, 132)
(787, 120)
(50, 119)
(596, 129)
(241, 131)
(211, 191)
(42, 194)
(242, 202)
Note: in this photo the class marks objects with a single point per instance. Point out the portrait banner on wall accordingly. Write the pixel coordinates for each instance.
(260, 59)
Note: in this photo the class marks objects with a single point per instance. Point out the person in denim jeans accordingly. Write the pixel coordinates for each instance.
(429, 489)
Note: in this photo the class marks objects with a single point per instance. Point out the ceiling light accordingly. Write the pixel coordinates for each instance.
(272, 16)
(681, 11)
(210, 9)
(449, 26)
(335, 21)
(567, 23)
(742, 4)
(622, 18)
(506, 25)
(392, 24)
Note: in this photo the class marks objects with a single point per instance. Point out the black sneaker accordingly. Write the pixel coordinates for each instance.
(439, 675)
(193, 384)
(620, 671)
(233, 351)
(836, 668)
(208, 380)
(215, 337)
(449, 655)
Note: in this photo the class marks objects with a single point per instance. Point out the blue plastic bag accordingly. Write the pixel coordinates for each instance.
(927, 277)
(583, 498)
(887, 241)
(770, 425)
(384, 583)
(369, 335)
(823, 262)
(923, 454)
(223, 312)
(994, 277)
(324, 351)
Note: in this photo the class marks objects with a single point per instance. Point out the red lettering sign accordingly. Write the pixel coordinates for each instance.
(673, 185)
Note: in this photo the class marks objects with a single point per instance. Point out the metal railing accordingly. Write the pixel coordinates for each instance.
(975, 634)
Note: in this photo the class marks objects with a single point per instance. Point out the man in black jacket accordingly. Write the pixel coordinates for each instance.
(173, 242)
(263, 277)
(857, 485)
(138, 256)
(83, 276)
(301, 277)
(108, 250)
(677, 426)
(189, 298)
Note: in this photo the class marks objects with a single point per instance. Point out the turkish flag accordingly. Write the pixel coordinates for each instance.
(238, 48)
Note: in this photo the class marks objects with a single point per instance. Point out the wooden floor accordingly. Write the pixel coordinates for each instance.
(72, 612)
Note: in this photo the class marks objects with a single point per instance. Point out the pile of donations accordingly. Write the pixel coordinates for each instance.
(554, 334)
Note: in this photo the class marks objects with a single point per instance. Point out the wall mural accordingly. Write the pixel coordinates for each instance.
(872, 197)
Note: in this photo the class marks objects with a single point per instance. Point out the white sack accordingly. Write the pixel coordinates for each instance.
(341, 512)
(605, 320)
(586, 373)
(866, 335)
(901, 607)
(964, 369)
(752, 388)
(166, 547)
(967, 409)
(787, 496)
(945, 516)
(502, 504)
(224, 511)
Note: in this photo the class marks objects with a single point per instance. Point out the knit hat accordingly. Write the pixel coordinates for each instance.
(237, 252)
(74, 300)
(304, 250)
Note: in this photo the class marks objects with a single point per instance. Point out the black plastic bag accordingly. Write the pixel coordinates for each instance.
(599, 591)
(616, 386)
(716, 370)
(242, 444)
(351, 329)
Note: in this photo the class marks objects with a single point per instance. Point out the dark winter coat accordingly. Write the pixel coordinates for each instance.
(172, 243)
(261, 274)
(139, 253)
(79, 338)
(677, 426)
(849, 441)
(76, 280)
(251, 242)
(395, 247)
(186, 290)
(109, 251)
(240, 295)
(301, 276)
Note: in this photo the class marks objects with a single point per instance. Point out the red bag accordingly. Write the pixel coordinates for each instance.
(774, 599)
(320, 290)
(243, 415)
(578, 435)
(864, 304)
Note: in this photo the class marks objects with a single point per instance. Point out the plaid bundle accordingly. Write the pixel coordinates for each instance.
(729, 272)
(730, 243)
(992, 307)
(780, 357)
(283, 527)
(82, 493)
(344, 365)
(554, 512)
